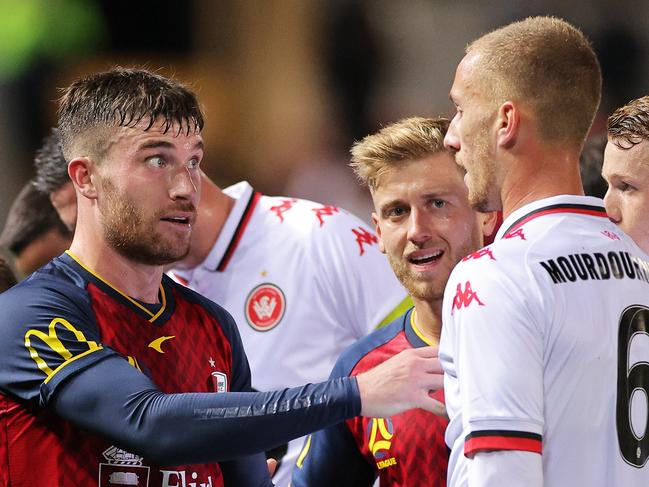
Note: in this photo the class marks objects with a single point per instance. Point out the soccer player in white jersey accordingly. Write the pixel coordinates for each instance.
(303, 281)
(626, 170)
(544, 344)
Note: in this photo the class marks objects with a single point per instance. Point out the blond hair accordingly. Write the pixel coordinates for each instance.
(550, 65)
(629, 125)
(406, 140)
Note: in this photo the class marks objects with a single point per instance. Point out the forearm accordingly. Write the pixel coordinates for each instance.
(115, 401)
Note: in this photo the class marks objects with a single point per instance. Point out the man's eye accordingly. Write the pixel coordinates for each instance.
(156, 161)
(193, 163)
(439, 203)
(396, 212)
(625, 186)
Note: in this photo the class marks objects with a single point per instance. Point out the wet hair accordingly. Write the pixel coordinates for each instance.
(51, 167)
(406, 140)
(629, 125)
(123, 97)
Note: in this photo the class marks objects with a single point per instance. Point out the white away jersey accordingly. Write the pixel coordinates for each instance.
(545, 347)
(303, 281)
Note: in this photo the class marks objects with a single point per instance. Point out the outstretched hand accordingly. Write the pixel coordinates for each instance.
(402, 382)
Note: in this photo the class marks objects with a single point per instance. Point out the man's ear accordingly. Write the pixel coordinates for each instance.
(80, 171)
(508, 124)
(377, 227)
(489, 223)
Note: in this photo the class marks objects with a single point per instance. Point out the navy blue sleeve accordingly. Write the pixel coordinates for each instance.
(250, 471)
(331, 456)
(48, 333)
(119, 403)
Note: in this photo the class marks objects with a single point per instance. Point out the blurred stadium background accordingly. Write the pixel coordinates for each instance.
(287, 85)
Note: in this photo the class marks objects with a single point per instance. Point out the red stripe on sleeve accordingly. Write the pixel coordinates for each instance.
(491, 443)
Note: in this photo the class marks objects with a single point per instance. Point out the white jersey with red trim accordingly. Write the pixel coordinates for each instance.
(545, 348)
(303, 281)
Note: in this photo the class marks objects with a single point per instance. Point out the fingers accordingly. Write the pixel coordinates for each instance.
(434, 406)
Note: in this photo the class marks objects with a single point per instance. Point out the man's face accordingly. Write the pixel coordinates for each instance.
(148, 189)
(627, 200)
(425, 223)
(468, 137)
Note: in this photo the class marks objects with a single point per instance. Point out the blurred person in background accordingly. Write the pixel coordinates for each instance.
(425, 226)
(626, 170)
(7, 277)
(33, 233)
(52, 178)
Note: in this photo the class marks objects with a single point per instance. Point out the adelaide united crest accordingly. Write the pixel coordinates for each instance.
(265, 307)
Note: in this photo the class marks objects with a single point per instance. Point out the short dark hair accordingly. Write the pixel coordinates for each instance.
(50, 165)
(629, 125)
(123, 97)
(30, 216)
(7, 277)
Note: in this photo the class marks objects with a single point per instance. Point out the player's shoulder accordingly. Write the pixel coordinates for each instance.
(54, 278)
(56, 289)
(365, 346)
(306, 214)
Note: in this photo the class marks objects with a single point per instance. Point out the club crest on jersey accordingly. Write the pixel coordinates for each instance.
(122, 468)
(219, 381)
(380, 432)
(265, 307)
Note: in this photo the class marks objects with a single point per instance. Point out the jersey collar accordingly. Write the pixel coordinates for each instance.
(414, 336)
(153, 314)
(584, 205)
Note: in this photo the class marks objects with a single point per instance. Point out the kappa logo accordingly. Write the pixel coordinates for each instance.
(326, 210)
(516, 233)
(283, 208)
(611, 235)
(364, 237)
(463, 299)
(480, 253)
(122, 468)
(265, 307)
(380, 432)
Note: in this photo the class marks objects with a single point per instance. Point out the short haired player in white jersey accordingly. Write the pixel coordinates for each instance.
(626, 170)
(544, 345)
(303, 280)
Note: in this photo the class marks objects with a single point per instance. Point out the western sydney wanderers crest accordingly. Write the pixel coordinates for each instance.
(122, 469)
(265, 307)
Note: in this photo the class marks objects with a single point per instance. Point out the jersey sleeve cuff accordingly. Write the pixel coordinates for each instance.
(495, 440)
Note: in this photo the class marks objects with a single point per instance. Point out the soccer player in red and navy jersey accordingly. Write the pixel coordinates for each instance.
(425, 226)
(111, 373)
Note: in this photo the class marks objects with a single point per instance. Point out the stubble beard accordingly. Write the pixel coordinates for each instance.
(129, 233)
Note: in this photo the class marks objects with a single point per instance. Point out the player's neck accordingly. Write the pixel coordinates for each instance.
(137, 280)
(213, 211)
(554, 172)
(428, 319)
